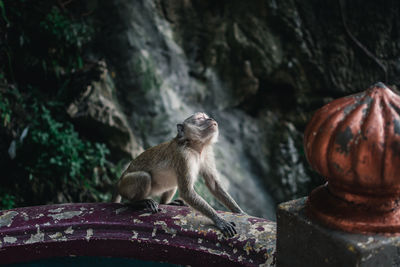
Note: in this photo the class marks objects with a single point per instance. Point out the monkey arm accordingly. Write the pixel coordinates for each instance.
(215, 187)
(198, 203)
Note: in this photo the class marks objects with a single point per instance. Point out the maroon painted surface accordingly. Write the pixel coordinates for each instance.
(354, 142)
(176, 235)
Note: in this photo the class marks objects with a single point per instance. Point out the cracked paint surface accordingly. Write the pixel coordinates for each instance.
(175, 234)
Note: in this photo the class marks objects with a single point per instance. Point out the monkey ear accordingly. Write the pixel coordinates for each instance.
(180, 130)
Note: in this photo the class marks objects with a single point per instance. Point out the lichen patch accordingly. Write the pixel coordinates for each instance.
(65, 215)
(145, 214)
(137, 221)
(69, 231)
(9, 239)
(166, 229)
(153, 234)
(89, 234)
(58, 237)
(56, 210)
(7, 218)
(38, 237)
(135, 234)
(118, 211)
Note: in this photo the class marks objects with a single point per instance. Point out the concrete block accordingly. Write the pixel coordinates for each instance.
(306, 243)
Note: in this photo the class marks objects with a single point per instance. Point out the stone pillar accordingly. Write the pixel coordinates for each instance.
(354, 143)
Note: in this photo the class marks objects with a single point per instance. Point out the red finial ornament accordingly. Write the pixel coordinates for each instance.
(354, 142)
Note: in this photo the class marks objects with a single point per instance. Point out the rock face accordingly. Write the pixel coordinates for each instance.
(97, 113)
(259, 69)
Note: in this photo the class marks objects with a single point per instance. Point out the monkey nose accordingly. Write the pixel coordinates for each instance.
(213, 122)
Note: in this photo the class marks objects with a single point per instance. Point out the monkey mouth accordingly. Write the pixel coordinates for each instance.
(213, 125)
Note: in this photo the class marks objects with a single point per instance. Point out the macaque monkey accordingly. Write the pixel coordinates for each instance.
(163, 169)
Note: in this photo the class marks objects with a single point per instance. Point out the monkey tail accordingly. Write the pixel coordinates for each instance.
(116, 198)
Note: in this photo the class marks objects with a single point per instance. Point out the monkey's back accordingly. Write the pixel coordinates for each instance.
(156, 157)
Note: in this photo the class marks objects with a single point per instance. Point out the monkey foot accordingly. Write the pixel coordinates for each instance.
(146, 204)
(178, 202)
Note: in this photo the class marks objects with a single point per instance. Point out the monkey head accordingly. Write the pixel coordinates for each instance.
(198, 128)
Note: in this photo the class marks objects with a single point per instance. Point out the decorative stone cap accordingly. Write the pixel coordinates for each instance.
(176, 235)
(354, 142)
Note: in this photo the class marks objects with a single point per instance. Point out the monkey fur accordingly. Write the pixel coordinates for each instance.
(163, 169)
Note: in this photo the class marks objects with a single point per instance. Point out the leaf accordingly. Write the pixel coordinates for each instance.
(3, 12)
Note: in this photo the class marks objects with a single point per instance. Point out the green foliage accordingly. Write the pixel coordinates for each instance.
(56, 158)
(65, 30)
(69, 37)
(5, 111)
(3, 11)
(43, 38)
(7, 201)
(42, 48)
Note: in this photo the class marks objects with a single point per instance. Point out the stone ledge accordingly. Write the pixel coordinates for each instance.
(176, 235)
(302, 242)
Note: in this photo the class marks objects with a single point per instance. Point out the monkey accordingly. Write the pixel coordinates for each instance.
(176, 164)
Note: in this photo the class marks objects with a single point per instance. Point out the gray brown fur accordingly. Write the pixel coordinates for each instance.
(163, 169)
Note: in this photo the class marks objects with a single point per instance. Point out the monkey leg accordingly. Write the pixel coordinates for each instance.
(167, 196)
(146, 204)
(178, 202)
(136, 187)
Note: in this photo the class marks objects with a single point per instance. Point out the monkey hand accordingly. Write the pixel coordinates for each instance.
(227, 228)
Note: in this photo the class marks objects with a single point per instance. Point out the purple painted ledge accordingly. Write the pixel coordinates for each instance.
(175, 235)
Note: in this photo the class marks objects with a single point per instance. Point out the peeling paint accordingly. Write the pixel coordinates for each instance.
(343, 139)
(38, 237)
(25, 215)
(180, 220)
(253, 244)
(145, 214)
(135, 234)
(58, 237)
(39, 216)
(396, 126)
(9, 239)
(69, 231)
(365, 244)
(56, 210)
(137, 221)
(118, 211)
(89, 234)
(213, 251)
(65, 215)
(248, 248)
(165, 227)
(7, 218)
(351, 248)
